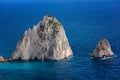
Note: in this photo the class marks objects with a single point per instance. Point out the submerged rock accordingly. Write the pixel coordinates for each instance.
(2, 59)
(46, 41)
(102, 50)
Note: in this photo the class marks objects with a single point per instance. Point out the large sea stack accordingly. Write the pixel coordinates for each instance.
(46, 41)
(102, 49)
(2, 59)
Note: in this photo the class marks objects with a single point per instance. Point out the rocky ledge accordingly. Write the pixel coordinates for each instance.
(102, 49)
(46, 41)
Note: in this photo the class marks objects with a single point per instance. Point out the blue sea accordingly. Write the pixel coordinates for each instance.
(85, 23)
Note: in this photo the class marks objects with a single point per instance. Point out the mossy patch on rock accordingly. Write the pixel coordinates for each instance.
(55, 25)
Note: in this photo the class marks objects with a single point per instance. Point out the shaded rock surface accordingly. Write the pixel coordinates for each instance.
(103, 49)
(46, 41)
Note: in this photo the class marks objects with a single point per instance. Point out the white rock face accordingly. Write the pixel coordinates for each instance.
(46, 41)
(103, 49)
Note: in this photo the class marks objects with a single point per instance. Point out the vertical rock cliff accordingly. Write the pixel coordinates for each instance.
(103, 49)
(46, 41)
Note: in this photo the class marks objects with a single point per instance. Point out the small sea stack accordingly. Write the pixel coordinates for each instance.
(45, 41)
(102, 50)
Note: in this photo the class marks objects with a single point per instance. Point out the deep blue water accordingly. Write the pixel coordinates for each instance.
(85, 23)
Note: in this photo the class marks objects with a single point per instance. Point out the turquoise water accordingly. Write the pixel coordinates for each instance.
(85, 23)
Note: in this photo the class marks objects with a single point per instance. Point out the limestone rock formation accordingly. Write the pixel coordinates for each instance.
(2, 59)
(102, 49)
(46, 41)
